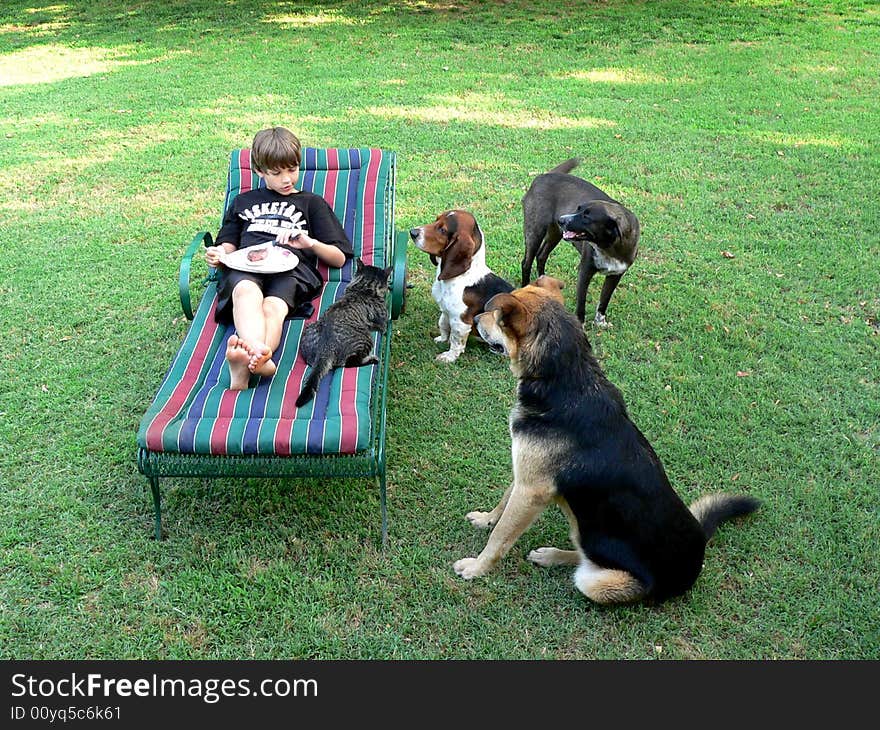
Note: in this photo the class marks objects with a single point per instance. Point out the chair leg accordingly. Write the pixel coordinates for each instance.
(157, 506)
(384, 508)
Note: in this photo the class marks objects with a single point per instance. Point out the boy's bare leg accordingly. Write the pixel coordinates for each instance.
(250, 325)
(238, 355)
(274, 313)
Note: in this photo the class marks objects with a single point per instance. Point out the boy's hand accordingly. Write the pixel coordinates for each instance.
(213, 255)
(293, 239)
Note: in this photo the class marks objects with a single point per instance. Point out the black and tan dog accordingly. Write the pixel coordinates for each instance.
(559, 205)
(574, 444)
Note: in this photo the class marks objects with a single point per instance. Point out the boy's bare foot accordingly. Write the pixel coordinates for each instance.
(238, 355)
(260, 362)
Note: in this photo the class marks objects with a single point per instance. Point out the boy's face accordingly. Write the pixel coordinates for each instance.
(282, 181)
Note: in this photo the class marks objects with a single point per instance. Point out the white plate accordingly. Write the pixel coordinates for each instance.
(279, 259)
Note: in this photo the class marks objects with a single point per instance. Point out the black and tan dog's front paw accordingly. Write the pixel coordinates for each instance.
(549, 556)
(481, 520)
(468, 568)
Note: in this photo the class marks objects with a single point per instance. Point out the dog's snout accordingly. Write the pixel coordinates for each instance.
(414, 233)
(564, 219)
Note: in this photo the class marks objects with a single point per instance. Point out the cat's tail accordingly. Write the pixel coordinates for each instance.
(315, 376)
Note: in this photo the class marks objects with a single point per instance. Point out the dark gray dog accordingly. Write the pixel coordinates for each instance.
(559, 205)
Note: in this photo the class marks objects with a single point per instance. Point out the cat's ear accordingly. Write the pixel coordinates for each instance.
(388, 272)
(359, 265)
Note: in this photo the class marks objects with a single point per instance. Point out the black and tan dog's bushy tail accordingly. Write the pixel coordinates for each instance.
(713, 509)
(310, 387)
(567, 166)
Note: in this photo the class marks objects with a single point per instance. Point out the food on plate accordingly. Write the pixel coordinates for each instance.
(257, 254)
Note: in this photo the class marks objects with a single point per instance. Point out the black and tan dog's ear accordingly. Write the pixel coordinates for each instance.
(456, 259)
(550, 283)
(499, 302)
(509, 312)
(553, 287)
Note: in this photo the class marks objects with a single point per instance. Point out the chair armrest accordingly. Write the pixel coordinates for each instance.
(203, 237)
(398, 283)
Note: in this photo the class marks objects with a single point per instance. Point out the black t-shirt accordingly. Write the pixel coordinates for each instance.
(259, 215)
(256, 217)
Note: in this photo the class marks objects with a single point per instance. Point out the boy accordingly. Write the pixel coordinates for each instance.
(258, 304)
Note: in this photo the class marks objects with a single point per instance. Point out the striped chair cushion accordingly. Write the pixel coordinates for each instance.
(194, 412)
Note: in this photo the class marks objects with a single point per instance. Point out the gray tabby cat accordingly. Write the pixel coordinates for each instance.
(343, 335)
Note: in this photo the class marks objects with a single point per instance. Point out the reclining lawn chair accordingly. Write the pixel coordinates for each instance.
(197, 427)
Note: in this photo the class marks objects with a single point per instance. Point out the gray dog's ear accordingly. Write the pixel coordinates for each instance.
(614, 230)
(611, 232)
(628, 226)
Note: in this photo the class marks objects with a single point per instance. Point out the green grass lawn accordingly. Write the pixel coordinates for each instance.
(749, 127)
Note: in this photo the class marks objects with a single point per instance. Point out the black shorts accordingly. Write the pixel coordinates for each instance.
(295, 288)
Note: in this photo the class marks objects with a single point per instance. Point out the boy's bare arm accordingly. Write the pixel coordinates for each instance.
(326, 252)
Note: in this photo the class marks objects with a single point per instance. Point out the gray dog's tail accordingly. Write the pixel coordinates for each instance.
(567, 166)
(713, 509)
(310, 387)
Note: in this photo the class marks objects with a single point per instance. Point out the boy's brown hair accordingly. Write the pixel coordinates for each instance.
(274, 149)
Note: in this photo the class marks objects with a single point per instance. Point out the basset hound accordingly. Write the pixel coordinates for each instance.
(464, 282)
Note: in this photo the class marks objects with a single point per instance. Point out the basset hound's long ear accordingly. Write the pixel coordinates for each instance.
(463, 244)
(456, 259)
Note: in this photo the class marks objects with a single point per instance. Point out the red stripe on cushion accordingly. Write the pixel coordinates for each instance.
(348, 392)
(329, 194)
(292, 388)
(293, 385)
(246, 171)
(283, 437)
(349, 425)
(181, 393)
(332, 176)
(222, 422)
(370, 203)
